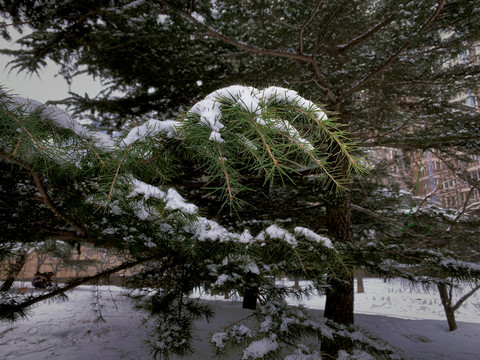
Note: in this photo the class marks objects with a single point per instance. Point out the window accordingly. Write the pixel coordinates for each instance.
(475, 174)
(475, 194)
(448, 184)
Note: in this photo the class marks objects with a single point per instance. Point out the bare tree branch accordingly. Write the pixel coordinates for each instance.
(393, 57)
(465, 297)
(396, 223)
(304, 26)
(366, 35)
(255, 50)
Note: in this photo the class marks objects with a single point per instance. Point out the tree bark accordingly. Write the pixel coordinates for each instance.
(340, 294)
(359, 275)
(339, 306)
(250, 298)
(447, 306)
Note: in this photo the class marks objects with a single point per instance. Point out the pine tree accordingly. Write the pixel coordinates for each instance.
(68, 183)
(387, 69)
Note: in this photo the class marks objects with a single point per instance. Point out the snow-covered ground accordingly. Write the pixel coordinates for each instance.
(410, 320)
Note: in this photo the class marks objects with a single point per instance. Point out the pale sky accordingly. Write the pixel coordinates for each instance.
(47, 85)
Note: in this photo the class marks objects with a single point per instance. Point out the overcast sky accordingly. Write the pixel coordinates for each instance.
(47, 85)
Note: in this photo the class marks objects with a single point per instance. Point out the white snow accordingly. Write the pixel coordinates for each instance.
(253, 101)
(151, 128)
(310, 235)
(174, 201)
(205, 229)
(276, 232)
(216, 137)
(252, 268)
(61, 118)
(222, 279)
(412, 321)
(258, 349)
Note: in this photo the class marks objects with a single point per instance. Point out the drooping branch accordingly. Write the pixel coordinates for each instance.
(422, 144)
(67, 235)
(73, 284)
(45, 198)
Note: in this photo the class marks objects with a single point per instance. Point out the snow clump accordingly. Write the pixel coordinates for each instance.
(258, 349)
(253, 101)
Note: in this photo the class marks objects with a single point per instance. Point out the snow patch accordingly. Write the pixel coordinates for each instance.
(258, 349)
(310, 235)
(152, 128)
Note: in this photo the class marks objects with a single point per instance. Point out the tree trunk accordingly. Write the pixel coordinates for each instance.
(296, 286)
(250, 293)
(339, 303)
(359, 275)
(13, 271)
(340, 294)
(447, 306)
(250, 298)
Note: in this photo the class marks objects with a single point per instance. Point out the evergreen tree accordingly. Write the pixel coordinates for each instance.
(387, 69)
(68, 183)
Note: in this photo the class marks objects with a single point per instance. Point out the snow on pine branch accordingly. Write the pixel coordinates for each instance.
(462, 266)
(58, 116)
(140, 193)
(149, 129)
(255, 102)
(250, 99)
(173, 200)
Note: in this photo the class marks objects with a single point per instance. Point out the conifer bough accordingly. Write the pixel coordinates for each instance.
(115, 192)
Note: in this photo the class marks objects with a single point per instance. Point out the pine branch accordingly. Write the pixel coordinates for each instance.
(20, 307)
(125, 153)
(40, 146)
(49, 203)
(45, 198)
(227, 175)
(464, 298)
(379, 70)
(366, 35)
(305, 25)
(233, 42)
(255, 50)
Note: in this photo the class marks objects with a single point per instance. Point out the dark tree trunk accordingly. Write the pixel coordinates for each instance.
(250, 298)
(14, 270)
(250, 293)
(447, 306)
(339, 304)
(340, 294)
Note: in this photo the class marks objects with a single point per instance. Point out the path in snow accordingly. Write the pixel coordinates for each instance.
(67, 330)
